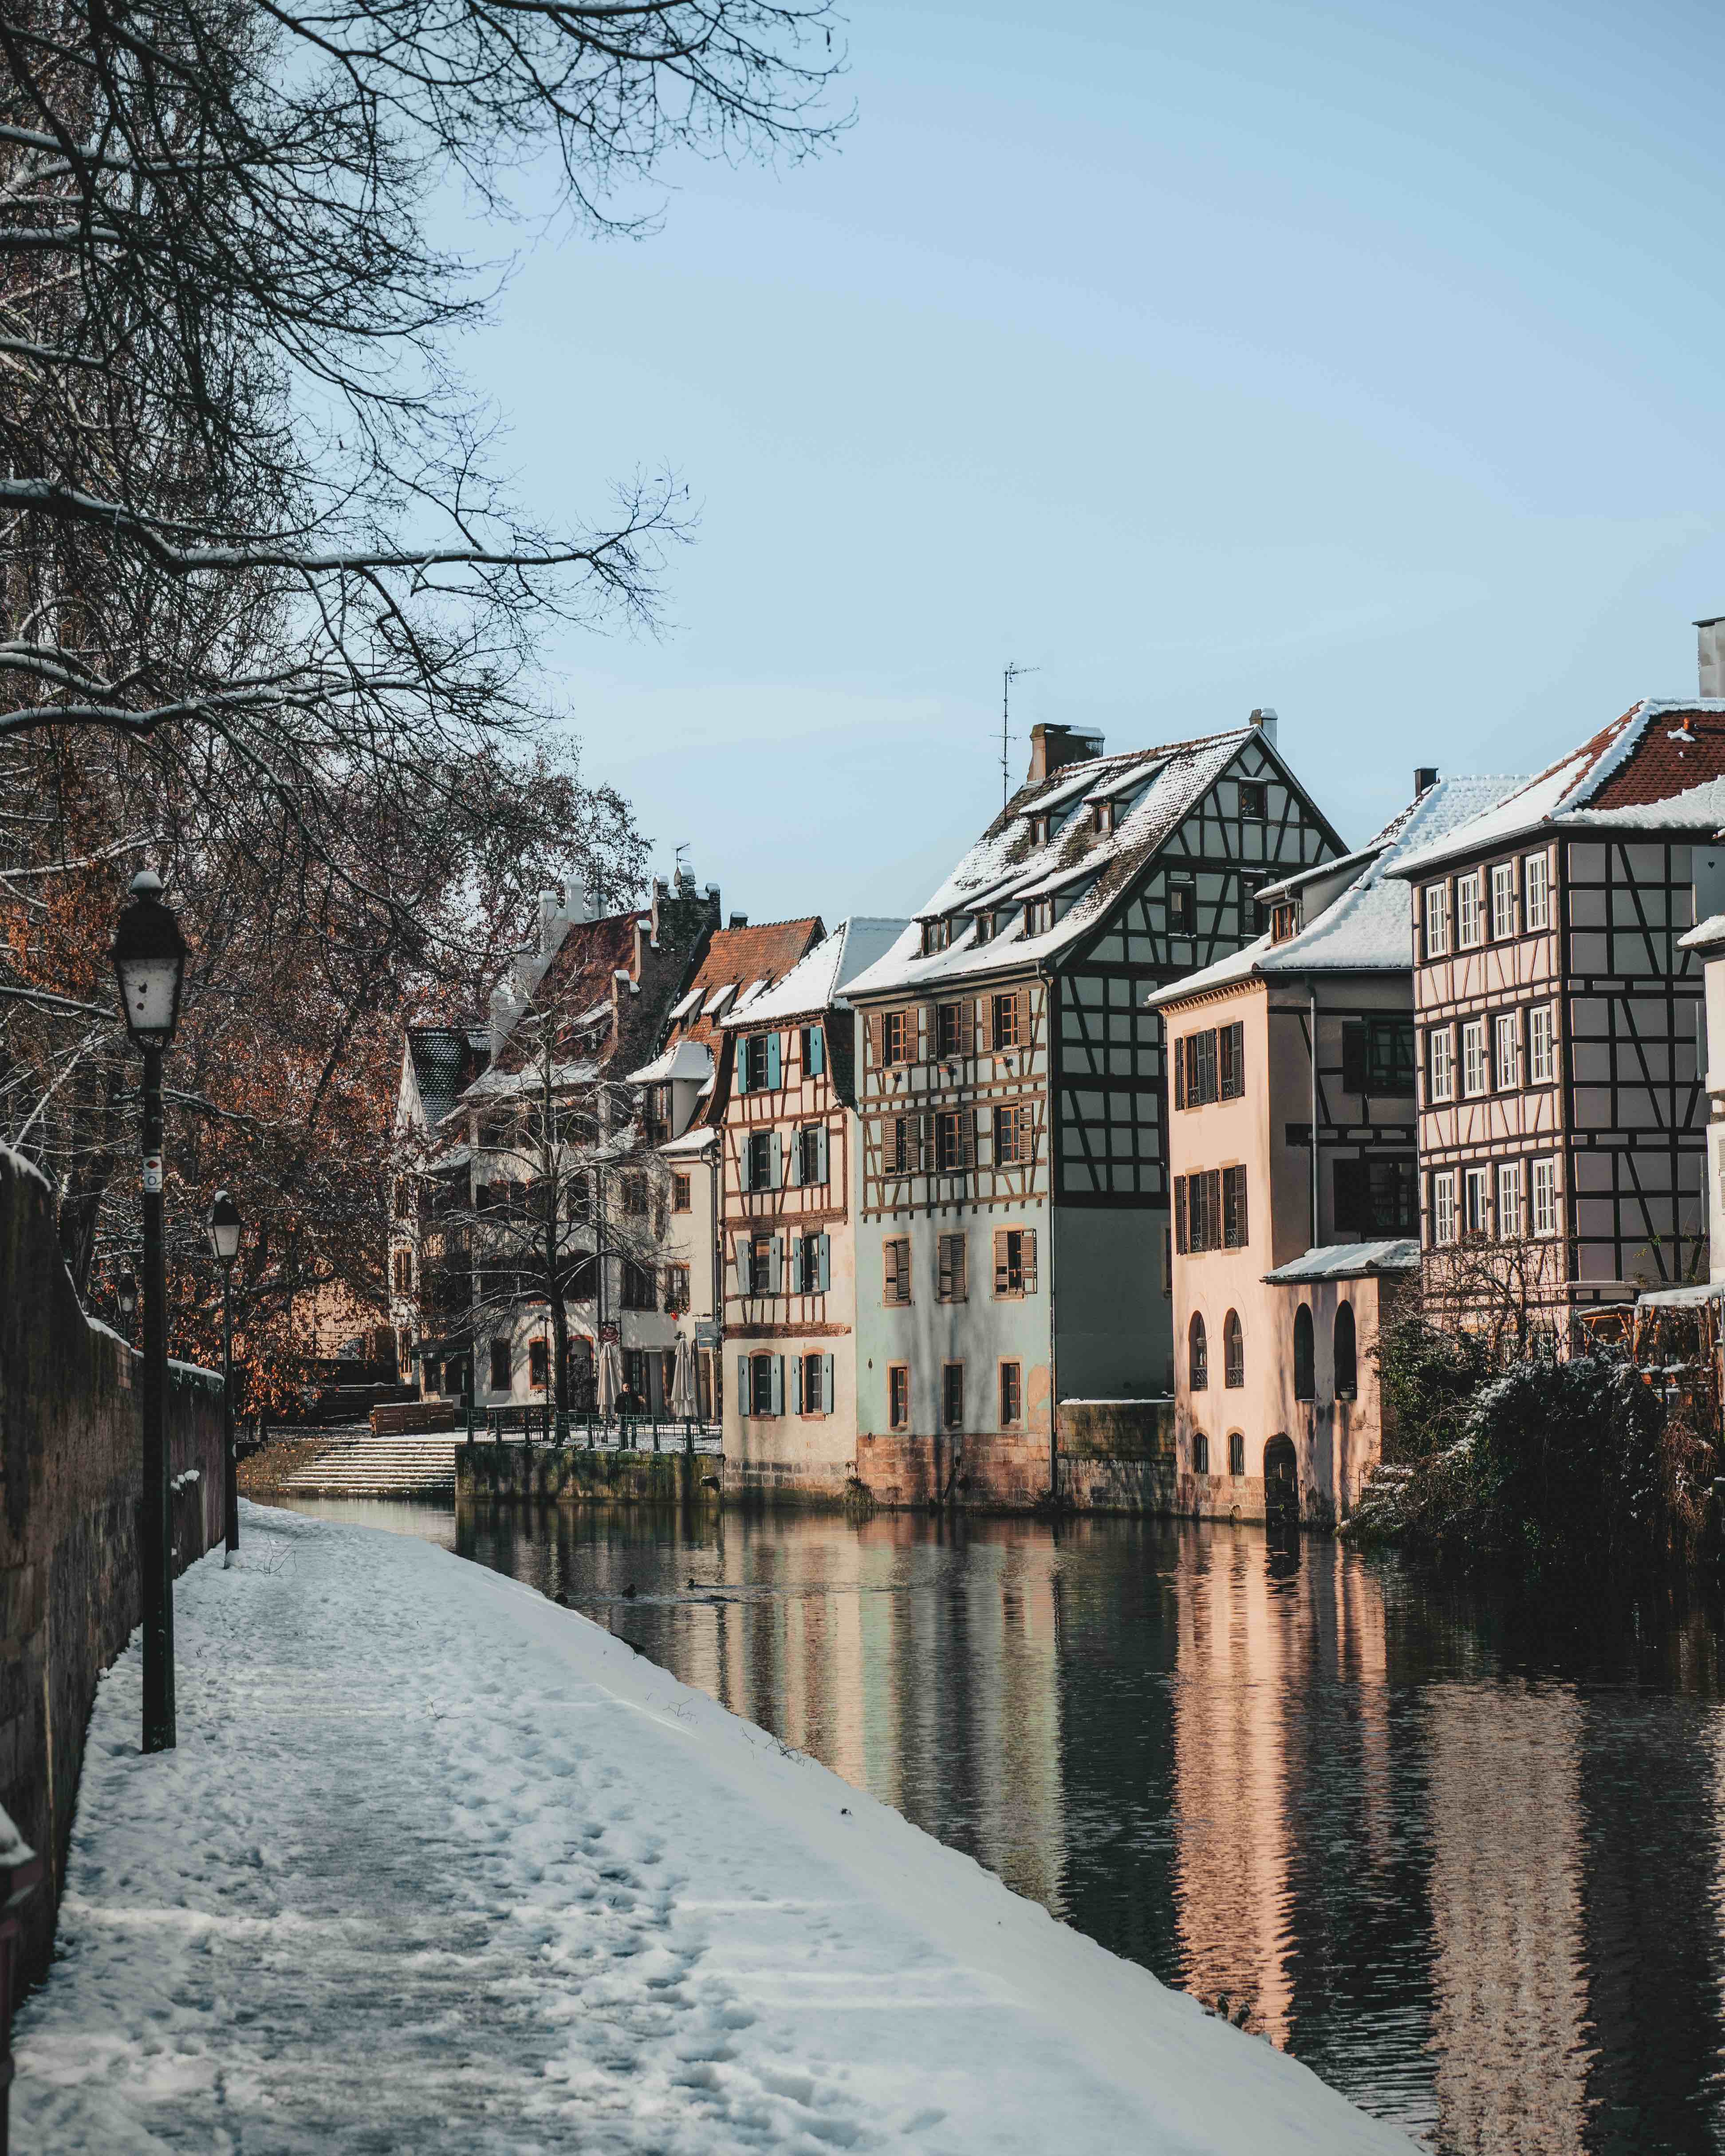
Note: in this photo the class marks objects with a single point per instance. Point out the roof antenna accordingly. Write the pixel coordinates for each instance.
(1011, 674)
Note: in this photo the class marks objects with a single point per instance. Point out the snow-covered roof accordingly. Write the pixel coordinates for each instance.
(1335, 1261)
(720, 997)
(1681, 1298)
(684, 1059)
(1705, 935)
(1659, 767)
(1008, 865)
(819, 981)
(1366, 928)
(698, 1138)
(691, 1003)
(511, 1085)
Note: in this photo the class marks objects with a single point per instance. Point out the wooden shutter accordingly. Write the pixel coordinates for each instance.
(1179, 1074)
(1002, 1277)
(743, 1394)
(925, 1140)
(821, 1152)
(1180, 1225)
(871, 1034)
(824, 1263)
(966, 1026)
(966, 1136)
(1028, 1248)
(775, 1266)
(772, 1063)
(1022, 998)
(828, 1404)
(961, 1248)
(778, 1368)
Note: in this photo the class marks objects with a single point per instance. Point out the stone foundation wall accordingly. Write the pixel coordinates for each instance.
(520, 1473)
(71, 1474)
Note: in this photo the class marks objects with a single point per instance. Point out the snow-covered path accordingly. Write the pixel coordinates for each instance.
(440, 1867)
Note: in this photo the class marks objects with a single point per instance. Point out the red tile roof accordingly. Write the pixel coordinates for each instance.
(1662, 764)
(765, 950)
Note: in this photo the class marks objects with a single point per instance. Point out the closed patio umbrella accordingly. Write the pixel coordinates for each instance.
(610, 1378)
(683, 1380)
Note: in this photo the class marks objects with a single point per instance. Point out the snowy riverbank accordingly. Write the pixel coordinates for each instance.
(440, 1867)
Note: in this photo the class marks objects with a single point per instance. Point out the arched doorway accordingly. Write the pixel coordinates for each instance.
(1281, 1480)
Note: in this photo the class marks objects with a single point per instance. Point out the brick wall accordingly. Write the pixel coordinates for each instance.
(70, 1478)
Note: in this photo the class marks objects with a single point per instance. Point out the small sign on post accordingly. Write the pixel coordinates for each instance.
(152, 1175)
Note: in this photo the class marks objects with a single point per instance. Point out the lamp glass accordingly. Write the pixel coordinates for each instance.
(149, 957)
(224, 1228)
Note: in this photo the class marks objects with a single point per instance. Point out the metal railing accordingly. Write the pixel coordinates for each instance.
(534, 1422)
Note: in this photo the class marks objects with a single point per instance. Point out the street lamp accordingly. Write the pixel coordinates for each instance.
(125, 1294)
(224, 1240)
(149, 957)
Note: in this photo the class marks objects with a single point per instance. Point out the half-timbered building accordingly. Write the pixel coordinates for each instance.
(784, 1109)
(1563, 1131)
(1013, 1206)
(1291, 1144)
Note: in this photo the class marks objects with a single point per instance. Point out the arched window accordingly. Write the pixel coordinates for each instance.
(1233, 1350)
(1304, 1384)
(1346, 1361)
(1198, 1370)
(1236, 1452)
(1200, 1453)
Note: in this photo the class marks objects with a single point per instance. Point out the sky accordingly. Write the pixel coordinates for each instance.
(1362, 360)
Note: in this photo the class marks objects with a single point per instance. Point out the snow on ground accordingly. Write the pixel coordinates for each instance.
(440, 1867)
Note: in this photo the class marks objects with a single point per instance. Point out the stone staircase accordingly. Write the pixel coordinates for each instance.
(367, 1466)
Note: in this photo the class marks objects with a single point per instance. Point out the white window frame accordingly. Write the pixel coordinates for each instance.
(1506, 1051)
(1470, 912)
(1437, 920)
(1511, 1224)
(1443, 1207)
(1441, 1052)
(1503, 901)
(1545, 1197)
(1536, 892)
(1542, 1044)
(1475, 1063)
(1477, 1179)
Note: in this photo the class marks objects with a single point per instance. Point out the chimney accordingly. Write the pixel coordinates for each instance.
(1425, 779)
(1053, 747)
(550, 914)
(739, 920)
(1710, 643)
(1264, 718)
(662, 889)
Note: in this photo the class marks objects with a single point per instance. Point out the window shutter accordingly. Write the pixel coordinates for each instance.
(946, 1269)
(772, 1066)
(966, 1136)
(824, 1263)
(775, 1159)
(925, 1140)
(740, 1063)
(821, 1152)
(966, 1026)
(796, 1156)
(961, 1247)
(1001, 1281)
(1179, 1074)
(742, 1385)
(775, 1266)
(871, 1036)
(817, 1052)
(1180, 1229)
(827, 1400)
(778, 1384)
(1029, 1251)
(801, 1389)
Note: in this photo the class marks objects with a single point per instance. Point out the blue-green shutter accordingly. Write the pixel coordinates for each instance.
(823, 1162)
(740, 1065)
(742, 1385)
(772, 1063)
(775, 1275)
(824, 1263)
(778, 1384)
(817, 1050)
(827, 1401)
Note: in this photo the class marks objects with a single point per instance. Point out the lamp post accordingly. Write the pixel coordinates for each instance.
(149, 955)
(224, 1240)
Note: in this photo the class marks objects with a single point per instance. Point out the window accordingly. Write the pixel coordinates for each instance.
(1305, 1370)
(681, 1199)
(814, 1384)
(1198, 1211)
(676, 1288)
(1536, 889)
(815, 1264)
(953, 1285)
(758, 1259)
(1506, 1051)
(813, 1047)
(1234, 1208)
(1510, 1224)
(760, 1063)
(1236, 1452)
(1198, 1354)
(952, 1396)
(1437, 921)
(1200, 1453)
(903, 1152)
(811, 1143)
(1503, 901)
(635, 1195)
(1182, 909)
(1014, 1261)
(637, 1382)
(1440, 1048)
(403, 1270)
(1233, 1351)
(1012, 1127)
(1443, 1207)
(1012, 1397)
(949, 1031)
(1253, 800)
(952, 1129)
(937, 936)
(1476, 1201)
(1545, 1197)
(896, 1251)
(1376, 1196)
(1006, 1018)
(502, 1374)
(1195, 1072)
(766, 1385)
(761, 1160)
(640, 1286)
(1377, 1057)
(1542, 1038)
(898, 1037)
(1346, 1359)
(1284, 920)
(1230, 1057)
(1473, 1057)
(538, 1364)
(1470, 917)
(898, 1396)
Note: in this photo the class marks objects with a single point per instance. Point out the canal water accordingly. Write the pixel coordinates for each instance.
(1471, 1873)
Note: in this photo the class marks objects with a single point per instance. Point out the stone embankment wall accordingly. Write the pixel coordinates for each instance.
(535, 1475)
(71, 1476)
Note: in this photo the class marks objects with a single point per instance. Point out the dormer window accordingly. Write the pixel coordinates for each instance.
(1284, 920)
(1104, 818)
(937, 936)
(1039, 916)
(1038, 830)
